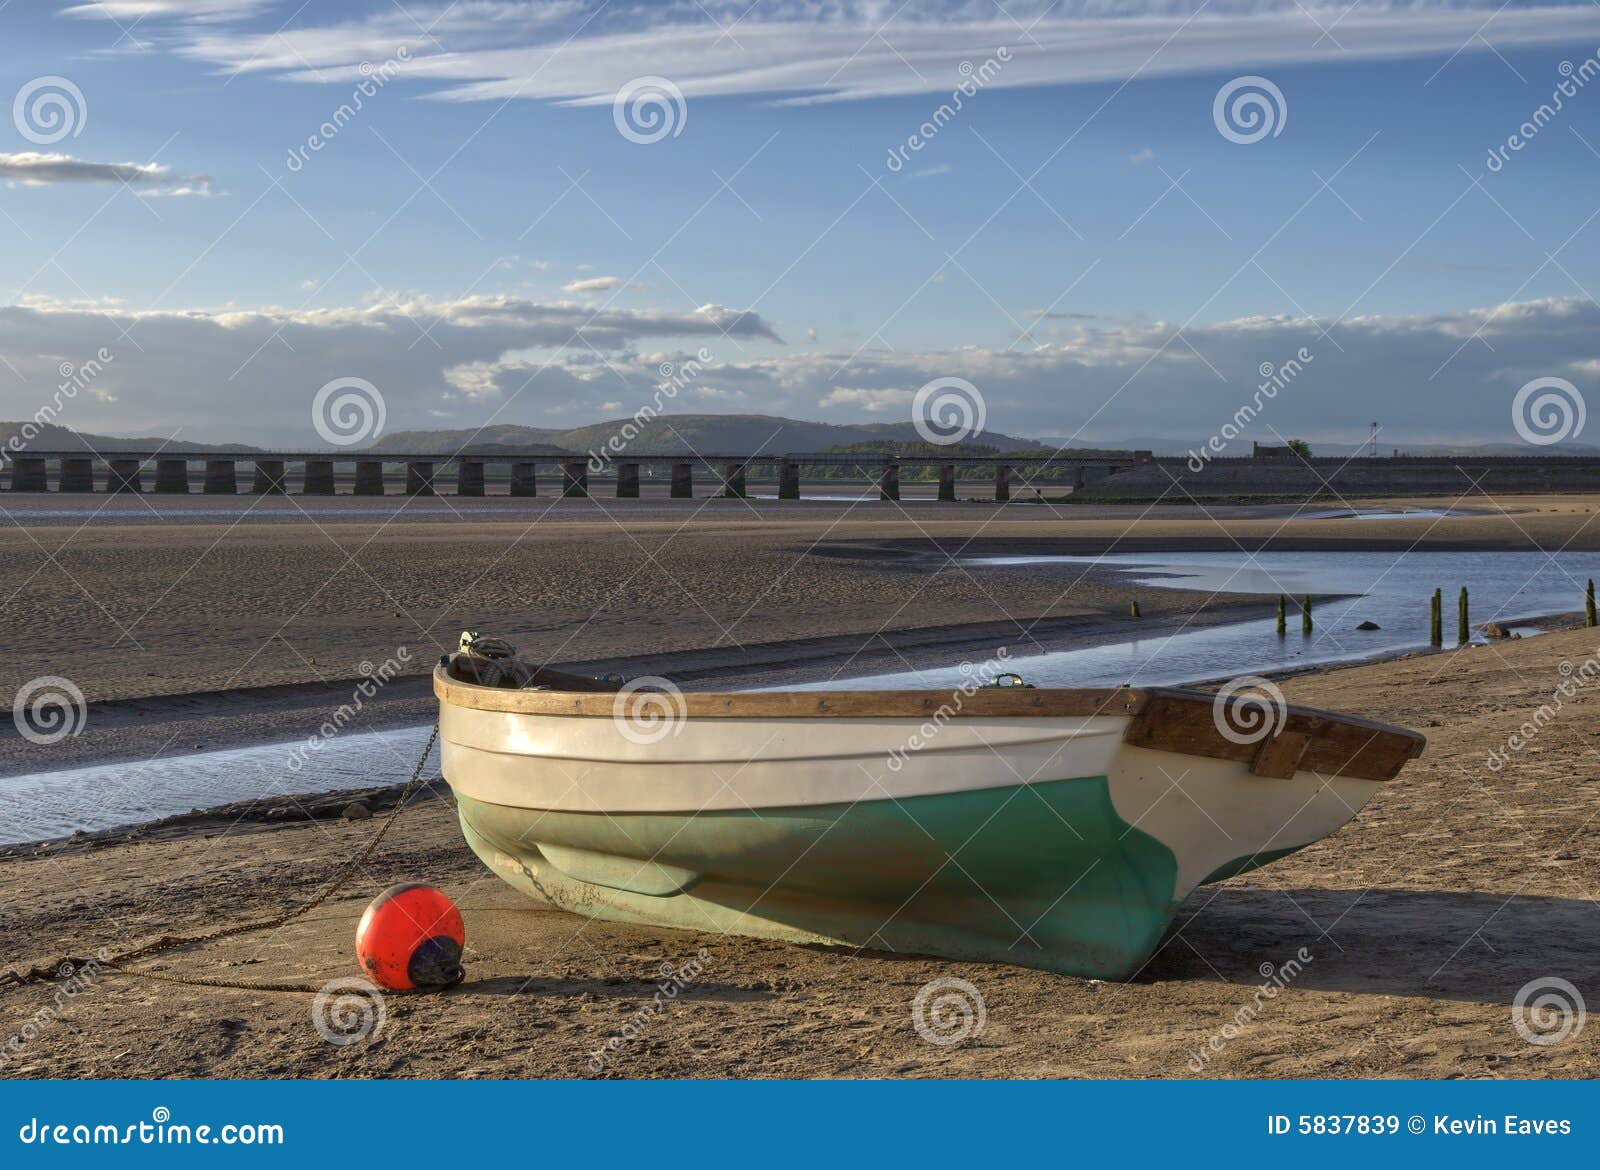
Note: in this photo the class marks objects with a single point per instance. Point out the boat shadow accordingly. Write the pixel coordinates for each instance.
(1471, 947)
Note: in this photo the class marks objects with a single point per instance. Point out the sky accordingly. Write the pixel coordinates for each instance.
(1096, 219)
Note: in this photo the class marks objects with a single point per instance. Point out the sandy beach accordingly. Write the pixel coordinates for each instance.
(1422, 919)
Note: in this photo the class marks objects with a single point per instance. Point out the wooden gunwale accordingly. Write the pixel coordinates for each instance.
(1162, 718)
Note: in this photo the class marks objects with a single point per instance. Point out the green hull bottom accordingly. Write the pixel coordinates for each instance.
(1046, 875)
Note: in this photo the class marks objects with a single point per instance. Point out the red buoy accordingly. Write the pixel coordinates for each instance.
(410, 939)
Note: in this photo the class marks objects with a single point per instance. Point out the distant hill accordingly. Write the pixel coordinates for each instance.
(678, 434)
(50, 437)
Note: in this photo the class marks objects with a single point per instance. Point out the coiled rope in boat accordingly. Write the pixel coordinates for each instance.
(69, 965)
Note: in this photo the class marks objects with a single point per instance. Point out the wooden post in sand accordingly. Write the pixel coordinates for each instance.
(1283, 615)
(1436, 619)
(1463, 630)
(1588, 604)
(1305, 614)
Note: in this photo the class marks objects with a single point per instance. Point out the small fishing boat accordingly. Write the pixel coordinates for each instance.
(1048, 828)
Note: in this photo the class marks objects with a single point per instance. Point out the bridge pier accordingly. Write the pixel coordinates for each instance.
(469, 477)
(28, 474)
(788, 481)
(947, 481)
(889, 482)
(1002, 483)
(575, 480)
(222, 478)
(627, 481)
(318, 478)
(77, 474)
(683, 481)
(524, 479)
(419, 477)
(1077, 477)
(733, 481)
(172, 476)
(369, 477)
(124, 476)
(268, 478)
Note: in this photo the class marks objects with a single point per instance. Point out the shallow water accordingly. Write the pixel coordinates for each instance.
(55, 804)
(1390, 589)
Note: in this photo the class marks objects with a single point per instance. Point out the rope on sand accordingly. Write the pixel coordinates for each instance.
(168, 942)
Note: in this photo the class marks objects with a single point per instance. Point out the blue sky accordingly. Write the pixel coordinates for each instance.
(482, 242)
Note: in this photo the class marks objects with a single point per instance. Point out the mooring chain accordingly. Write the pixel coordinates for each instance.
(65, 967)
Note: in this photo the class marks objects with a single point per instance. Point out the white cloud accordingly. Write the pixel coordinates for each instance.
(583, 51)
(870, 400)
(33, 169)
(251, 374)
(593, 284)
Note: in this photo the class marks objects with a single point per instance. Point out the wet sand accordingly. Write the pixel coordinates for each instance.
(1453, 889)
(161, 608)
